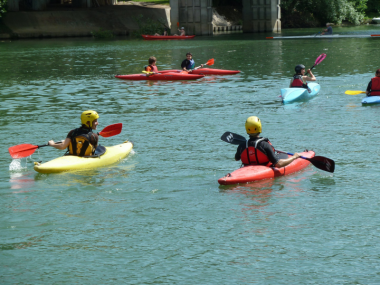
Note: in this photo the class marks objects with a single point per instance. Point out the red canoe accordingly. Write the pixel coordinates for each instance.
(166, 76)
(258, 172)
(207, 71)
(148, 37)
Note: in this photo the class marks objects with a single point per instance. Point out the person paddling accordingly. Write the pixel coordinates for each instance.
(181, 32)
(152, 65)
(188, 64)
(373, 88)
(81, 141)
(258, 150)
(299, 79)
(328, 31)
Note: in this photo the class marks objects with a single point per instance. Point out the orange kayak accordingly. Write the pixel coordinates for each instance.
(161, 76)
(252, 173)
(207, 71)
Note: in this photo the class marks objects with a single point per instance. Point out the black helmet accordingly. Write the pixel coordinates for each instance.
(299, 67)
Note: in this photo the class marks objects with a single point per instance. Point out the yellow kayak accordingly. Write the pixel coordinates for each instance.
(112, 155)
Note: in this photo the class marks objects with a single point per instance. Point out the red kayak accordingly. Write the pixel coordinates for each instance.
(258, 172)
(148, 37)
(207, 71)
(165, 76)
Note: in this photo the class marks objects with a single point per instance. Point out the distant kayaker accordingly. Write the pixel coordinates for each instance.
(327, 31)
(81, 141)
(258, 150)
(188, 64)
(181, 32)
(373, 88)
(299, 79)
(152, 65)
(165, 33)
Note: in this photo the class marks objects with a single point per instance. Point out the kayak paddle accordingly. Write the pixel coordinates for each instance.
(320, 162)
(352, 92)
(25, 150)
(209, 62)
(319, 60)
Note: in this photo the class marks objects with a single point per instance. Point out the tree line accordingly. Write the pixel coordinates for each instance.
(302, 13)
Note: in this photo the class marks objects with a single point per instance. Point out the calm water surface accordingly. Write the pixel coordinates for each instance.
(160, 217)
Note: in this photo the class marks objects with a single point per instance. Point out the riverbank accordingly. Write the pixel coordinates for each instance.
(69, 22)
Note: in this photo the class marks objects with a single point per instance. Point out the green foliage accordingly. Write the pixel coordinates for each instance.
(373, 7)
(102, 34)
(148, 26)
(324, 11)
(3, 5)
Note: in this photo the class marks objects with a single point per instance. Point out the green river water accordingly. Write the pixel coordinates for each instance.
(159, 216)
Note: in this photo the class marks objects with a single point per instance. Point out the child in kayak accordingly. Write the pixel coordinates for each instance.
(258, 150)
(299, 79)
(188, 64)
(81, 141)
(373, 88)
(152, 65)
(165, 33)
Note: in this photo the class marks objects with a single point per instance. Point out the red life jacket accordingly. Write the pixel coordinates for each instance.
(152, 68)
(298, 82)
(375, 87)
(253, 156)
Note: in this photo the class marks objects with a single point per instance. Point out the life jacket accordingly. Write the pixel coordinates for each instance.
(253, 156)
(152, 68)
(190, 64)
(298, 82)
(80, 143)
(375, 87)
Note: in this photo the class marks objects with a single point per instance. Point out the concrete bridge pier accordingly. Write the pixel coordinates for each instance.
(194, 15)
(261, 16)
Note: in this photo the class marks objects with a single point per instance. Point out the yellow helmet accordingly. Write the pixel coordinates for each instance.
(88, 116)
(253, 125)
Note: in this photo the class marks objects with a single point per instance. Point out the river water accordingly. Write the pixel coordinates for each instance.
(159, 216)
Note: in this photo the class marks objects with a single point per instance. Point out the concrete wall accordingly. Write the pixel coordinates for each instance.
(261, 16)
(77, 22)
(194, 15)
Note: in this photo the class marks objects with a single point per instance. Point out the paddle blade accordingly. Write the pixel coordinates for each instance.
(111, 130)
(320, 59)
(352, 92)
(210, 62)
(323, 163)
(22, 150)
(232, 138)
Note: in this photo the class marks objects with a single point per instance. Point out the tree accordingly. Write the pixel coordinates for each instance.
(3, 4)
(325, 11)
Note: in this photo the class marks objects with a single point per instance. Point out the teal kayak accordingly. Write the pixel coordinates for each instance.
(371, 100)
(290, 95)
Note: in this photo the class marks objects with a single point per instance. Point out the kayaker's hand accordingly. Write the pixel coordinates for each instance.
(51, 142)
(201, 65)
(296, 155)
(308, 71)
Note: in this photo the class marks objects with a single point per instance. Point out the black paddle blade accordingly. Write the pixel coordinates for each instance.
(232, 138)
(323, 163)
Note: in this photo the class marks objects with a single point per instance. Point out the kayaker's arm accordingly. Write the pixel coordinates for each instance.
(369, 87)
(61, 145)
(312, 78)
(285, 162)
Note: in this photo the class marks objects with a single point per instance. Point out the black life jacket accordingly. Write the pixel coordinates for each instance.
(253, 156)
(375, 87)
(80, 142)
(298, 82)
